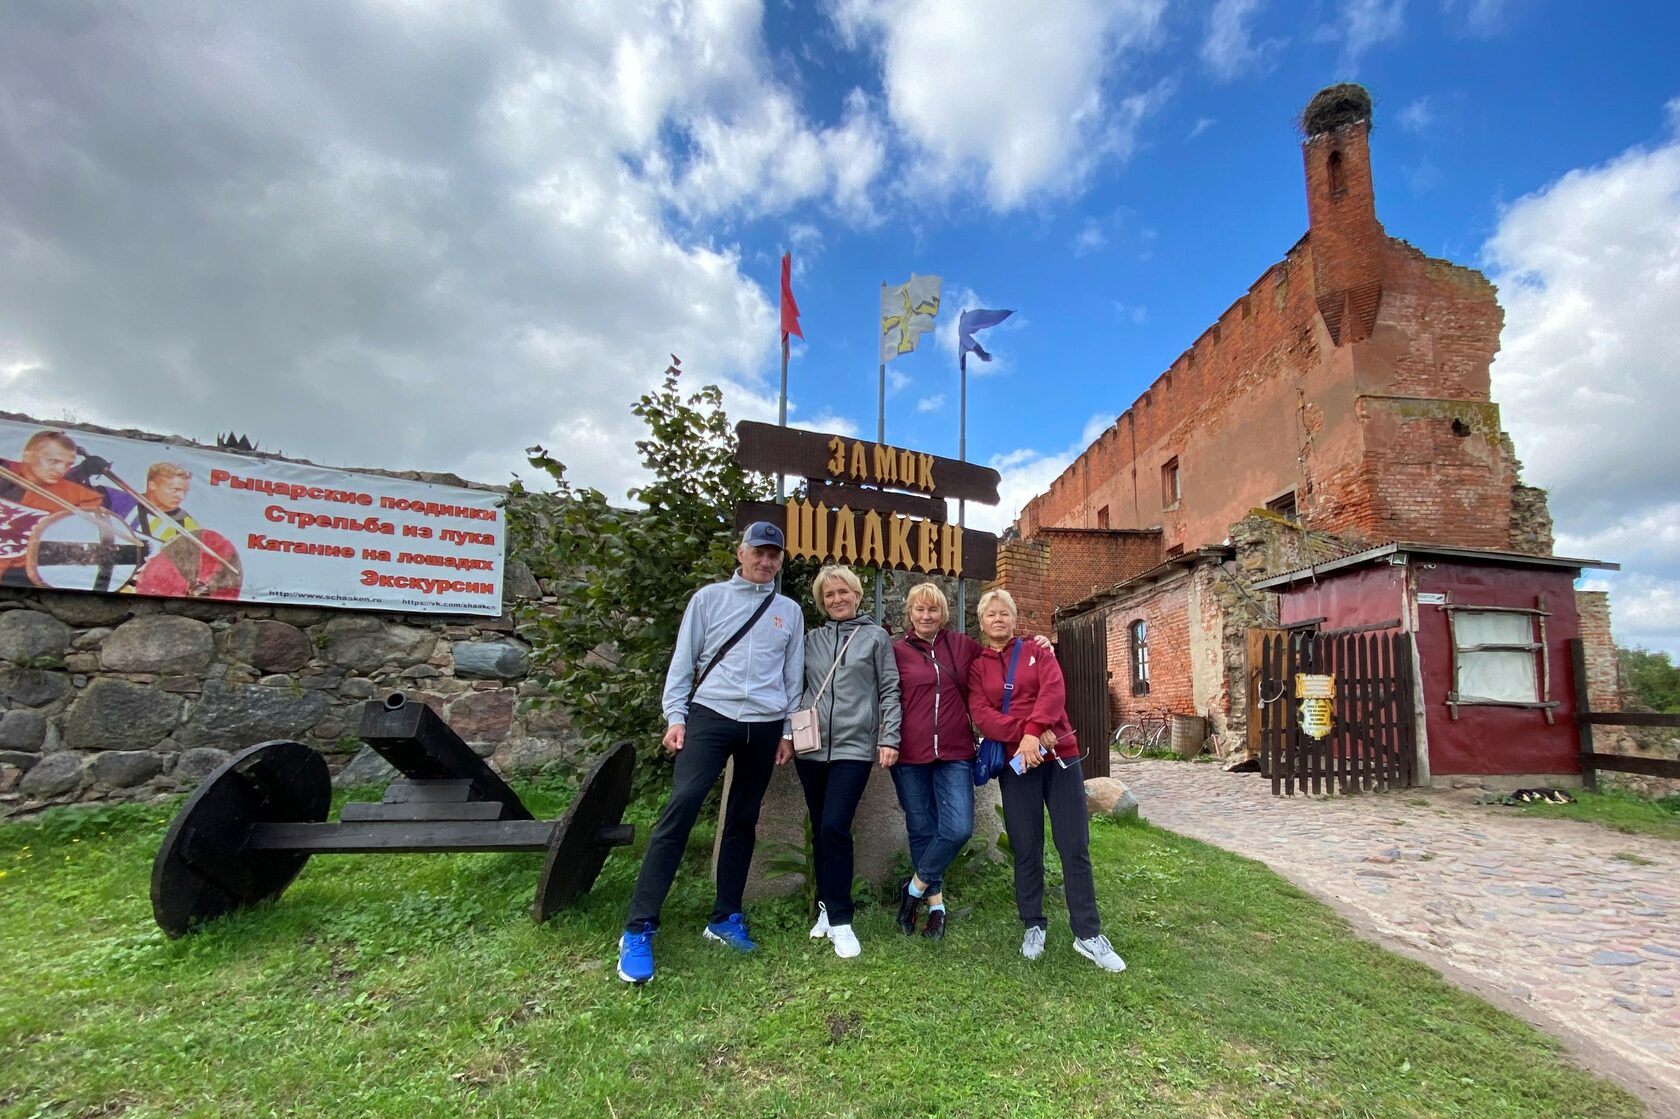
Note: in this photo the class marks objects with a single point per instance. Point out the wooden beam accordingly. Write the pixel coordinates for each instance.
(398, 837)
(810, 454)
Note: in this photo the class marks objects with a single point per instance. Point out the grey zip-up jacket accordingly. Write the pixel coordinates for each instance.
(860, 710)
(758, 681)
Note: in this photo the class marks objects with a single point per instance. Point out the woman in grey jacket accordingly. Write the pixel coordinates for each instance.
(858, 714)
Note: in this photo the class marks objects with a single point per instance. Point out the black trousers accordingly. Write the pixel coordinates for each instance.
(1025, 797)
(832, 792)
(708, 742)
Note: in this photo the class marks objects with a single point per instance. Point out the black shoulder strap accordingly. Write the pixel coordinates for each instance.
(723, 650)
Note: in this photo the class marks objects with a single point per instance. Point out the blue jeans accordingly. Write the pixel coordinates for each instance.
(938, 803)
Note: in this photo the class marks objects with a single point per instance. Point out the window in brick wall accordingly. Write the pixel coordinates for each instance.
(1139, 632)
(1285, 506)
(1175, 551)
(1169, 484)
(1338, 181)
(1102, 517)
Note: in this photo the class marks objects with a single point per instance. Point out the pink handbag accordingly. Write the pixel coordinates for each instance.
(807, 734)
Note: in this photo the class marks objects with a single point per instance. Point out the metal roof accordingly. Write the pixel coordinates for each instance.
(1370, 555)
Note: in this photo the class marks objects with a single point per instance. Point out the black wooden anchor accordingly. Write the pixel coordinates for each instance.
(245, 833)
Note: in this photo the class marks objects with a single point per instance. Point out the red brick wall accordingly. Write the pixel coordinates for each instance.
(1340, 374)
(1603, 681)
(1023, 570)
(1165, 609)
(1084, 561)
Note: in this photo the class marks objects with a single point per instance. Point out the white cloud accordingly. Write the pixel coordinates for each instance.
(1417, 115)
(1228, 50)
(1588, 269)
(1361, 25)
(1202, 125)
(1481, 18)
(1134, 313)
(395, 234)
(1090, 237)
(1026, 473)
(897, 381)
(1021, 94)
(931, 403)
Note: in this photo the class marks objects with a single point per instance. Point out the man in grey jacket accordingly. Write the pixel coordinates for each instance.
(733, 683)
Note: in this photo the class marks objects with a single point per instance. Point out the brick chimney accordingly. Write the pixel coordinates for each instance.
(1347, 240)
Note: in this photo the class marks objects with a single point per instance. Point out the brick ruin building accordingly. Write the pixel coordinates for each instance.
(1341, 401)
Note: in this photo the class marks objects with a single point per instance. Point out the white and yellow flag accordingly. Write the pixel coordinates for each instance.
(907, 313)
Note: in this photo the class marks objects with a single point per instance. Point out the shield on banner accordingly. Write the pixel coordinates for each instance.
(181, 569)
(82, 550)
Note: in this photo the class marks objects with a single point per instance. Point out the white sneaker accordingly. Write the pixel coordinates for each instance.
(820, 929)
(845, 941)
(1099, 951)
(1032, 945)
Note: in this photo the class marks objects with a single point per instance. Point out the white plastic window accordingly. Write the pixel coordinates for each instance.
(1505, 674)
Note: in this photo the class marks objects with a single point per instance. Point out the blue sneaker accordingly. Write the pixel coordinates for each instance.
(635, 955)
(732, 932)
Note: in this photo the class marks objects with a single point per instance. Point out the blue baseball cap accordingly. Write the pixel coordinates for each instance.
(761, 533)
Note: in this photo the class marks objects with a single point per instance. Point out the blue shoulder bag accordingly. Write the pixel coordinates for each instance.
(989, 758)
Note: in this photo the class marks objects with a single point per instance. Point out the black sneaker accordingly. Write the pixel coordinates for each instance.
(908, 903)
(935, 928)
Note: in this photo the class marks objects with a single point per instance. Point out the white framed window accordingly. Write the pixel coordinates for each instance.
(1496, 656)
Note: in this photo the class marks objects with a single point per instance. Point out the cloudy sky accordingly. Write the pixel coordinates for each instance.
(429, 233)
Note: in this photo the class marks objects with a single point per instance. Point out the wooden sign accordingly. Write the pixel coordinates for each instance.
(870, 538)
(835, 458)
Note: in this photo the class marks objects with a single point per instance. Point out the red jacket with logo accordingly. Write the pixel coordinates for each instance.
(933, 690)
(1040, 701)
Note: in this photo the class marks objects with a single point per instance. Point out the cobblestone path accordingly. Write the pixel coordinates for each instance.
(1579, 922)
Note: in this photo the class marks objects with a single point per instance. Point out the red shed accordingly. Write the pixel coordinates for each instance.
(1489, 632)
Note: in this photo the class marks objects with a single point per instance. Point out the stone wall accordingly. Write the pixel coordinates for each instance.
(118, 697)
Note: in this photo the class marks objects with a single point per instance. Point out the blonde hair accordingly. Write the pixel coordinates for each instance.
(166, 470)
(929, 593)
(836, 571)
(996, 594)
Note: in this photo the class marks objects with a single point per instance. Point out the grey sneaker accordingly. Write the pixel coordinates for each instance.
(1032, 945)
(1099, 951)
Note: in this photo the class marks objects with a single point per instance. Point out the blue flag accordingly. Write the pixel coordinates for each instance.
(968, 324)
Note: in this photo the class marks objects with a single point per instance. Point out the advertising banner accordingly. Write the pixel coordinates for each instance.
(101, 513)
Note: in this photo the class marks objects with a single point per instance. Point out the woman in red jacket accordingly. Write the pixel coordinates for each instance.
(1039, 740)
(933, 774)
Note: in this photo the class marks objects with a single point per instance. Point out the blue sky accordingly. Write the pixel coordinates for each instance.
(430, 234)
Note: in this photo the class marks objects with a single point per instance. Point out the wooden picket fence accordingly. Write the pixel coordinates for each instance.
(1372, 744)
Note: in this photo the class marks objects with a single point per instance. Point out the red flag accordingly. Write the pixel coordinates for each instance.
(790, 309)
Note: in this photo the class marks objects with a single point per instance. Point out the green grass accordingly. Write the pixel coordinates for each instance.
(417, 986)
(1624, 812)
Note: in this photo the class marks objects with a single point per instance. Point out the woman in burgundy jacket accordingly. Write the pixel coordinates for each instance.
(933, 774)
(1039, 739)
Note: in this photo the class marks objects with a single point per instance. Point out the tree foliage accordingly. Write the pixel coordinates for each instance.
(620, 577)
(1651, 677)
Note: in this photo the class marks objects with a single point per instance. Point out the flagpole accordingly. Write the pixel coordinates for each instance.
(962, 455)
(880, 431)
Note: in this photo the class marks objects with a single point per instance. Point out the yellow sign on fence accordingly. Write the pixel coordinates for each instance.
(1316, 693)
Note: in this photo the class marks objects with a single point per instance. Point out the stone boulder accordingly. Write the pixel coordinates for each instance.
(33, 687)
(117, 715)
(158, 643)
(482, 716)
(518, 582)
(240, 715)
(364, 644)
(198, 763)
(1108, 796)
(55, 775)
(269, 646)
(491, 660)
(91, 609)
(28, 637)
(122, 769)
(23, 730)
(366, 768)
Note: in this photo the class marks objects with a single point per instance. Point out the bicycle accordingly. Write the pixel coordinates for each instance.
(1150, 732)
